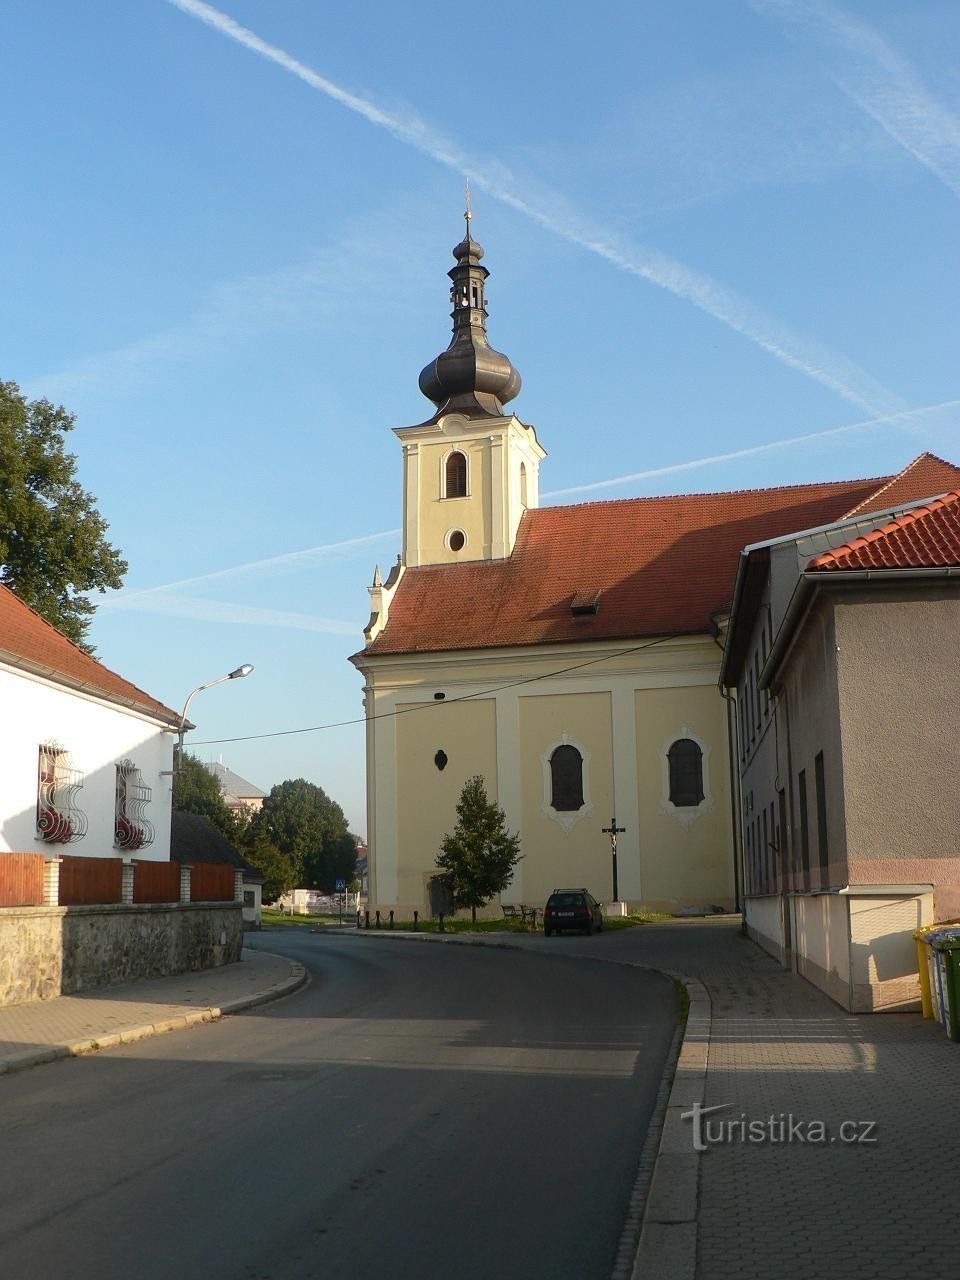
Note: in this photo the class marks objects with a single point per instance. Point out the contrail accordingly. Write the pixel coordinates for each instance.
(174, 606)
(891, 419)
(885, 86)
(828, 368)
(162, 599)
(288, 560)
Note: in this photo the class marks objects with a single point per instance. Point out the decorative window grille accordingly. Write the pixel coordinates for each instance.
(686, 773)
(566, 776)
(132, 830)
(60, 820)
(456, 476)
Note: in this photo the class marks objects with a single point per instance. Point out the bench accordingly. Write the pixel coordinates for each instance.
(521, 913)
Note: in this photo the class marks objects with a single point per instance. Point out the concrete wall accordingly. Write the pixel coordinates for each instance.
(97, 735)
(899, 687)
(51, 951)
(811, 697)
(764, 923)
(883, 954)
(821, 941)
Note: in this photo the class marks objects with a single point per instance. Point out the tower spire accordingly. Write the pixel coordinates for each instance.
(470, 376)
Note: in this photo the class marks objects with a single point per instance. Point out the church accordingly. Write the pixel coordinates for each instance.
(569, 655)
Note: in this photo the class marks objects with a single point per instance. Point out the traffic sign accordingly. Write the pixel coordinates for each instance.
(340, 886)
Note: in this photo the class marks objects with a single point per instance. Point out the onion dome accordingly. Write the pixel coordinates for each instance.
(470, 377)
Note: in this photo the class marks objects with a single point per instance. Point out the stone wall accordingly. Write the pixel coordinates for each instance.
(51, 951)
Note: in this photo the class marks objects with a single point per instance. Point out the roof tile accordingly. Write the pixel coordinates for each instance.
(927, 537)
(29, 640)
(664, 565)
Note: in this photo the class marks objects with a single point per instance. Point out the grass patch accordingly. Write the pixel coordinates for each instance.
(642, 916)
(271, 916)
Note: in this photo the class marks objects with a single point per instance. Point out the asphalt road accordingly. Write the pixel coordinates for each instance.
(417, 1110)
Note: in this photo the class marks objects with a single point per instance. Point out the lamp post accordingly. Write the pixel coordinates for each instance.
(238, 674)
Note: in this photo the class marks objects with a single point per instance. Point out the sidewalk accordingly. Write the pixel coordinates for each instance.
(765, 1046)
(69, 1025)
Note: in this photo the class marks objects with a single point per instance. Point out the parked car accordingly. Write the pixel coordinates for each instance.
(571, 909)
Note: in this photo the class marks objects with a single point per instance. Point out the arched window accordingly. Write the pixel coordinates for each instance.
(566, 779)
(456, 476)
(523, 484)
(686, 773)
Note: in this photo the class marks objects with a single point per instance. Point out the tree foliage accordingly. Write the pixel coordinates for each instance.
(281, 871)
(478, 859)
(301, 820)
(53, 542)
(196, 790)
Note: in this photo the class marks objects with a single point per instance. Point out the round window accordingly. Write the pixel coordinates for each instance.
(457, 540)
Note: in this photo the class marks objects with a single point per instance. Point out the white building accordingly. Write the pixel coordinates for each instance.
(85, 756)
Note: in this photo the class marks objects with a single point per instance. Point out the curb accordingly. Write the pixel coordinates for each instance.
(211, 1013)
(668, 1237)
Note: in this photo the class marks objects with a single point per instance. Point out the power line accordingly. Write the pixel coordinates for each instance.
(428, 706)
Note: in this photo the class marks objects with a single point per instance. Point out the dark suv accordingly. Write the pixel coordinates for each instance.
(571, 909)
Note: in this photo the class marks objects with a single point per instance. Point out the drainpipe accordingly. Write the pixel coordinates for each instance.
(733, 747)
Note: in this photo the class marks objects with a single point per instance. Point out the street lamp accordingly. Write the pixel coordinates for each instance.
(231, 675)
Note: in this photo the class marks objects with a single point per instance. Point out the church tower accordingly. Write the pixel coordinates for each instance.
(471, 470)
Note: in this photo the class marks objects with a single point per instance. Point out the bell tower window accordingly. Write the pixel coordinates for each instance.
(455, 485)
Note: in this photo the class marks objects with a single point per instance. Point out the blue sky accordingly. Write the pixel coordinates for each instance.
(711, 229)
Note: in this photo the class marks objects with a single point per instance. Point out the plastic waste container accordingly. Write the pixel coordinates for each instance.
(946, 948)
(926, 965)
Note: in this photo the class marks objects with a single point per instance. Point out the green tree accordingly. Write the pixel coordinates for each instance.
(281, 871)
(478, 859)
(53, 544)
(306, 825)
(196, 790)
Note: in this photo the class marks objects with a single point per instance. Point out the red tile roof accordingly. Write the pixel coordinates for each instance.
(925, 477)
(30, 642)
(662, 565)
(927, 537)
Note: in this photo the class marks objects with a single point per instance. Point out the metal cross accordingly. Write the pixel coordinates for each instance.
(613, 831)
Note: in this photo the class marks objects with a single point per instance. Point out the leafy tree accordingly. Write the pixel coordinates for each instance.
(196, 790)
(282, 871)
(478, 859)
(52, 538)
(306, 825)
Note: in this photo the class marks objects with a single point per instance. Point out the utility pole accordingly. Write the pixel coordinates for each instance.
(613, 831)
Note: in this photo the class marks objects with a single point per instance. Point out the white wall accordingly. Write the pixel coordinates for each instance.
(98, 735)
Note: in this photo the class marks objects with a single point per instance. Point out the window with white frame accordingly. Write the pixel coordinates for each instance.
(566, 779)
(686, 773)
(455, 475)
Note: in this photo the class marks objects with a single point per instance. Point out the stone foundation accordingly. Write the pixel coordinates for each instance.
(52, 951)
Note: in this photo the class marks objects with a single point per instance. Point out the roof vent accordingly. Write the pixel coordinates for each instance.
(585, 603)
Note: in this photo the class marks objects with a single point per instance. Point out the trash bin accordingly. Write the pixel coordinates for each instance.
(927, 966)
(946, 947)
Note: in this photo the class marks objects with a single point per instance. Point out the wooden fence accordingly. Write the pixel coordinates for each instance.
(211, 882)
(86, 881)
(21, 879)
(156, 882)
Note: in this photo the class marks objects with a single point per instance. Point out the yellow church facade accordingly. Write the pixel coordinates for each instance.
(569, 655)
